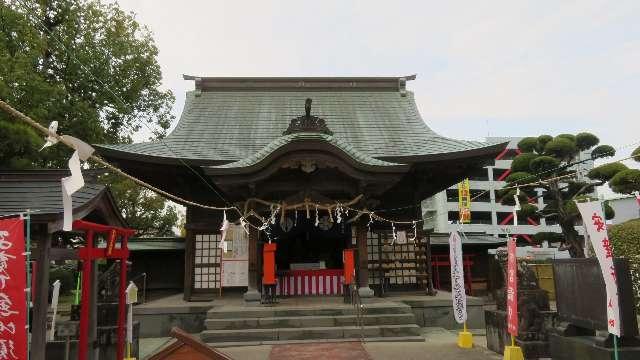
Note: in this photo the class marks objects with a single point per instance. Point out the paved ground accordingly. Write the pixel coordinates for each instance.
(439, 344)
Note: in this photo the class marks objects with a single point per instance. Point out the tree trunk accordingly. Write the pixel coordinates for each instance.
(572, 239)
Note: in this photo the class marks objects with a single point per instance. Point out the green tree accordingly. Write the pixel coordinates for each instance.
(549, 161)
(148, 213)
(88, 65)
(91, 67)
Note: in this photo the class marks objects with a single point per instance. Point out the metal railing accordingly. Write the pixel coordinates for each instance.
(359, 309)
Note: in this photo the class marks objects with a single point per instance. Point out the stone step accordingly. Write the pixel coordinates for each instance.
(312, 333)
(308, 321)
(269, 312)
(311, 341)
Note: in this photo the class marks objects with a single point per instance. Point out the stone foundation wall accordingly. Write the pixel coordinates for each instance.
(438, 312)
(157, 322)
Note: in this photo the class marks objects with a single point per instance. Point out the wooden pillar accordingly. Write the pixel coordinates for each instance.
(41, 303)
(253, 293)
(363, 260)
(430, 290)
(189, 261)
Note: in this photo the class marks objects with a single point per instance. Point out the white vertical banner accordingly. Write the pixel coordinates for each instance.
(594, 222)
(457, 278)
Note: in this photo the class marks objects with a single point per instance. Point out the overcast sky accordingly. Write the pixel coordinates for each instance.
(498, 68)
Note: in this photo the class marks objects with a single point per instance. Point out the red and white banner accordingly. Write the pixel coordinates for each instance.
(512, 288)
(13, 299)
(594, 222)
(310, 282)
(457, 278)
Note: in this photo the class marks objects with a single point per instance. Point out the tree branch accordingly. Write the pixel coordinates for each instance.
(546, 216)
(584, 188)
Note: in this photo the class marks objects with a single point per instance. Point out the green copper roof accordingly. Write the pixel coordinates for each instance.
(284, 140)
(220, 125)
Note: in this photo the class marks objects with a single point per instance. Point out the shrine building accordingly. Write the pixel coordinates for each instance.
(298, 157)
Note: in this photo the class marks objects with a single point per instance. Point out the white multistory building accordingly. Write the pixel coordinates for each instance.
(488, 215)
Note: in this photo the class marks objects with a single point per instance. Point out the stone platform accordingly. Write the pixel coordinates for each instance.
(228, 321)
(587, 348)
(330, 321)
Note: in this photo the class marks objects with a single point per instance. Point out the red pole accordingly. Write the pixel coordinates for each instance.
(83, 345)
(123, 300)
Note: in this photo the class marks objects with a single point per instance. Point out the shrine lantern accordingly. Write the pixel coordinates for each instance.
(269, 264)
(348, 260)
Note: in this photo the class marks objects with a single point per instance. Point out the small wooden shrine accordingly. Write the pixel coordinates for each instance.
(183, 346)
(284, 145)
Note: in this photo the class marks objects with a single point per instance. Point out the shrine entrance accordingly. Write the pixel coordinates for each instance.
(309, 257)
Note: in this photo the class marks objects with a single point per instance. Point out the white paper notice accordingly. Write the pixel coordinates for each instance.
(70, 185)
(594, 221)
(235, 264)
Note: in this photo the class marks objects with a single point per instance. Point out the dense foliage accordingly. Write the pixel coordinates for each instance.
(144, 211)
(625, 238)
(551, 162)
(90, 66)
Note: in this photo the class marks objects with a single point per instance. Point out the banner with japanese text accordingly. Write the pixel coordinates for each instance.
(512, 288)
(457, 278)
(594, 222)
(464, 201)
(13, 299)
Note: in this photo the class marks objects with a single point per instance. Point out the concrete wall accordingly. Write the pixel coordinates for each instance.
(158, 321)
(438, 312)
(626, 209)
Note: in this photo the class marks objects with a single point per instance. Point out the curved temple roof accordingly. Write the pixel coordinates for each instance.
(287, 139)
(228, 120)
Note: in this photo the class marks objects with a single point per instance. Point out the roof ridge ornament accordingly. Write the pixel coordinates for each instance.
(307, 122)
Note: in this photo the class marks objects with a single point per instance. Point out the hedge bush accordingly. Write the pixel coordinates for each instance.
(625, 239)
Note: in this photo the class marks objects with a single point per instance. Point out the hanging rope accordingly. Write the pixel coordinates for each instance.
(346, 207)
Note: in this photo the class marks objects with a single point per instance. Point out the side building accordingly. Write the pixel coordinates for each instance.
(488, 215)
(626, 207)
(490, 220)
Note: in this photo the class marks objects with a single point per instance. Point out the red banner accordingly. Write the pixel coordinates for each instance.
(512, 288)
(13, 299)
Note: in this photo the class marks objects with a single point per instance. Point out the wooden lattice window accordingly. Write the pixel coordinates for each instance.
(207, 262)
(397, 266)
(373, 253)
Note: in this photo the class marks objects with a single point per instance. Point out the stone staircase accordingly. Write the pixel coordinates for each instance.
(240, 326)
